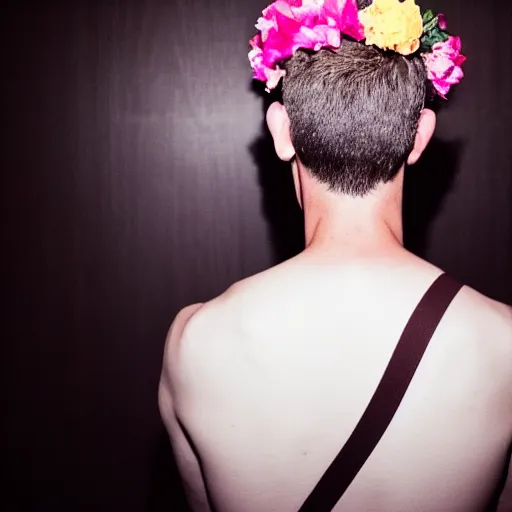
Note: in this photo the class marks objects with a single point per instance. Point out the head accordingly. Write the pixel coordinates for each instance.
(353, 117)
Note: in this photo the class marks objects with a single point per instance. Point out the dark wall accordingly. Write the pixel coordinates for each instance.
(137, 179)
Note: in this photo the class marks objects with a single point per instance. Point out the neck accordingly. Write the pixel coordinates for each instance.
(353, 227)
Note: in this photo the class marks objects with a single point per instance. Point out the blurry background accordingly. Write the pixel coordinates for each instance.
(138, 178)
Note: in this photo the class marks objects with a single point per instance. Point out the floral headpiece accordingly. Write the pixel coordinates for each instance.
(288, 25)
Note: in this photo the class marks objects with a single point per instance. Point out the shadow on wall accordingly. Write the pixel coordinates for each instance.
(279, 203)
(426, 185)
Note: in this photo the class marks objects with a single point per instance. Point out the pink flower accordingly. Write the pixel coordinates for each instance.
(274, 77)
(287, 25)
(262, 72)
(443, 65)
(256, 59)
(442, 21)
(346, 15)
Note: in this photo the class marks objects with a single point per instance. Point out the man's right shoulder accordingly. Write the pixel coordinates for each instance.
(496, 315)
(492, 322)
(492, 318)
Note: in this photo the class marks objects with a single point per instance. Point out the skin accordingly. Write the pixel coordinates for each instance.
(262, 386)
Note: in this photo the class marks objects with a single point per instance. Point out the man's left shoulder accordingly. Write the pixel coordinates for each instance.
(177, 330)
(170, 365)
(191, 333)
(181, 321)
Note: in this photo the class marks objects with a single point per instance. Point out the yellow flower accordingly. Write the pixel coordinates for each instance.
(393, 25)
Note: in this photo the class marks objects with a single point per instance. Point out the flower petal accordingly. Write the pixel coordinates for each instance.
(442, 21)
(443, 65)
(346, 16)
(393, 25)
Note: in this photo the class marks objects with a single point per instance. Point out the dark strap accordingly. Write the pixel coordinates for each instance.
(387, 398)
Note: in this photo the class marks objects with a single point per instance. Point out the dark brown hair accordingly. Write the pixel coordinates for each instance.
(354, 113)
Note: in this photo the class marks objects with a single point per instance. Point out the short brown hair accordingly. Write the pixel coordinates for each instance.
(354, 113)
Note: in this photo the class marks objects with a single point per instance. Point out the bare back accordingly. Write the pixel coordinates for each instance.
(271, 378)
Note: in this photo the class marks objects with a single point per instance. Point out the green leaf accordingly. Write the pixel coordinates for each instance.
(439, 35)
(433, 37)
(432, 33)
(428, 16)
(430, 25)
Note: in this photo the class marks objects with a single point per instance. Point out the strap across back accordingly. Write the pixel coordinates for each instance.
(386, 399)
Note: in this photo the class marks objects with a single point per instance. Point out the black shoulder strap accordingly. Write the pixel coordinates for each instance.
(387, 398)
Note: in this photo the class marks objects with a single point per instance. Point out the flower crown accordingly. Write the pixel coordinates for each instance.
(289, 25)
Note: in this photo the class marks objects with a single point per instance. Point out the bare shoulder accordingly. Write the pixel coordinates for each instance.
(488, 314)
(192, 339)
(170, 367)
(170, 394)
(491, 321)
(179, 326)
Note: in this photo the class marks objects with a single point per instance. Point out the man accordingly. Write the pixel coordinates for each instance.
(262, 386)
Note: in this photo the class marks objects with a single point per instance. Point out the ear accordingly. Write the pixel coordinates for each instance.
(426, 127)
(279, 126)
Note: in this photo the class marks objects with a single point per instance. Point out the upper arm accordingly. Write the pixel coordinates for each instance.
(505, 501)
(184, 453)
(170, 362)
(504, 355)
(508, 357)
